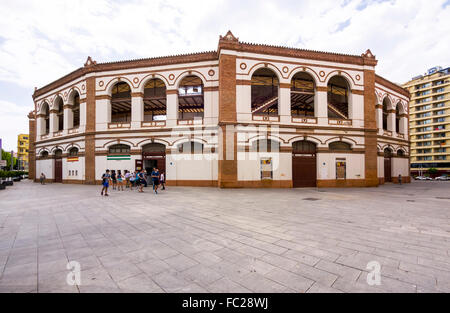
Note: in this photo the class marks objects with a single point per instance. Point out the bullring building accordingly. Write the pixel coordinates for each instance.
(246, 115)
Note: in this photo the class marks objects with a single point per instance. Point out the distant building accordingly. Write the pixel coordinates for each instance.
(22, 150)
(430, 121)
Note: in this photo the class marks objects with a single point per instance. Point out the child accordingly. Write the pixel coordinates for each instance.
(105, 182)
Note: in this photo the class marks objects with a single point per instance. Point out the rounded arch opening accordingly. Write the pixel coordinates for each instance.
(121, 103)
(155, 105)
(119, 149)
(73, 151)
(44, 154)
(386, 106)
(304, 147)
(75, 100)
(397, 120)
(302, 95)
(58, 153)
(264, 90)
(45, 111)
(265, 145)
(388, 153)
(154, 148)
(340, 146)
(190, 147)
(338, 97)
(191, 98)
(59, 107)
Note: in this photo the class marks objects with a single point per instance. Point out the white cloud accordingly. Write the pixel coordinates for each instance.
(41, 41)
(14, 121)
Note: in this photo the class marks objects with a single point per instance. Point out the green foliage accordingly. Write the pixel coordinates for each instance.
(7, 156)
(6, 174)
(432, 171)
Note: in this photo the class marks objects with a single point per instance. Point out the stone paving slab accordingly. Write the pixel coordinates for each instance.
(225, 240)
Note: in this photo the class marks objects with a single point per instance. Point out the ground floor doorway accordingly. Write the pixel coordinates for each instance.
(304, 164)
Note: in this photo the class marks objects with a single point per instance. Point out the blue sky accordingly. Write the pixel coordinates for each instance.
(41, 41)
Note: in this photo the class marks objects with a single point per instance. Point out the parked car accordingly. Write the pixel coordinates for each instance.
(423, 178)
(443, 177)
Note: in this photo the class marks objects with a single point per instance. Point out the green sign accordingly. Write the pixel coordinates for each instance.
(119, 157)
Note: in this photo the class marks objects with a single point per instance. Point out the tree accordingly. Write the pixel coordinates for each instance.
(7, 156)
(432, 171)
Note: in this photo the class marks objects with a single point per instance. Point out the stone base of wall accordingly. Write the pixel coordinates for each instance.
(192, 183)
(73, 181)
(405, 180)
(381, 180)
(341, 183)
(265, 184)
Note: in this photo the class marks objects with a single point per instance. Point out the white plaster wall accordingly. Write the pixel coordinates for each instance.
(191, 167)
(102, 114)
(380, 161)
(46, 167)
(73, 166)
(357, 110)
(400, 166)
(249, 165)
(102, 164)
(244, 103)
(326, 165)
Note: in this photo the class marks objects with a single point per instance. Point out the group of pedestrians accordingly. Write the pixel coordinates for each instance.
(137, 179)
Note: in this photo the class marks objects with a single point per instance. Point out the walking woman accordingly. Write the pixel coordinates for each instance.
(119, 181)
(162, 181)
(127, 178)
(114, 179)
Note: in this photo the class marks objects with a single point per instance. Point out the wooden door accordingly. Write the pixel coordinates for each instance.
(387, 170)
(58, 170)
(304, 173)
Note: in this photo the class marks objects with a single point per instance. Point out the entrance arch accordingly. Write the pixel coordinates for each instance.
(154, 155)
(304, 164)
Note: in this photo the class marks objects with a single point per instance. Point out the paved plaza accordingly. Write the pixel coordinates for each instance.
(214, 240)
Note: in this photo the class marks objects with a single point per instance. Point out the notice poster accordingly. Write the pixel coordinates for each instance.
(266, 168)
(341, 169)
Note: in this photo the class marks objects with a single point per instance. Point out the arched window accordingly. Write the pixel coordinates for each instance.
(302, 95)
(340, 146)
(119, 149)
(44, 154)
(265, 145)
(387, 153)
(58, 153)
(265, 92)
(45, 111)
(191, 147)
(153, 148)
(155, 100)
(397, 119)
(76, 110)
(338, 97)
(386, 105)
(121, 103)
(73, 151)
(60, 113)
(400, 153)
(190, 98)
(306, 147)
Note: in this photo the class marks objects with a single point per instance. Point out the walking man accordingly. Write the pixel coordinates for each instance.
(155, 179)
(106, 177)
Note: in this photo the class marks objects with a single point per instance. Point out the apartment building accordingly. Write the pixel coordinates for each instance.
(430, 121)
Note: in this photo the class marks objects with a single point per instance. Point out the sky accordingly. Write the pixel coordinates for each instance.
(43, 40)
